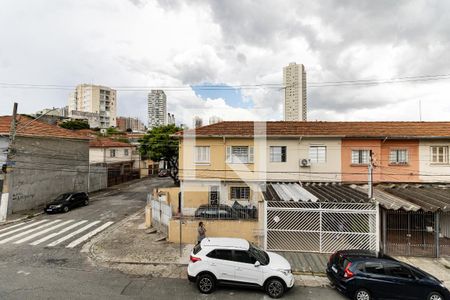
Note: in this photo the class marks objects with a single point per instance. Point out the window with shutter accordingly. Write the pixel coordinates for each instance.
(202, 154)
(278, 154)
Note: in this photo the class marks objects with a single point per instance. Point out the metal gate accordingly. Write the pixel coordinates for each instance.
(416, 233)
(321, 227)
(161, 213)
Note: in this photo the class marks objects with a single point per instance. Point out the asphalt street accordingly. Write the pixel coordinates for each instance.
(38, 262)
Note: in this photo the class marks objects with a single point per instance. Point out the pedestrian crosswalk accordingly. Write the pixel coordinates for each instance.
(50, 233)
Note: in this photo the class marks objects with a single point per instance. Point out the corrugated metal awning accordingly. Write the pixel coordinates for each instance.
(388, 201)
(427, 197)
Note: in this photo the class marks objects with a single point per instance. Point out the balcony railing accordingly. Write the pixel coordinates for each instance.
(225, 212)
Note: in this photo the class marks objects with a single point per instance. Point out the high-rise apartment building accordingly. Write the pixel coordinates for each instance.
(95, 99)
(170, 119)
(127, 123)
(197, 122)
(214, 120)
(157, 109)
(294, 80)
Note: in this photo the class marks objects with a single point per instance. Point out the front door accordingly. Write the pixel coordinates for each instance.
(214, 196)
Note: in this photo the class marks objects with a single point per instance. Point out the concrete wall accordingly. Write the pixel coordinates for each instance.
(430, 172)
(245, 229)
(47, 167)
(98, 178)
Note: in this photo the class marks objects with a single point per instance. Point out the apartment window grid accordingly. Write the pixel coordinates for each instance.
(439, 154)
(278, 154)
(360, 157)
(318, 154)
(240, 193)
(398, 157)
(240, 154)
(202, 154)
(112, 153)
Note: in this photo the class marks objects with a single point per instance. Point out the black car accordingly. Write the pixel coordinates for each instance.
(216, 212)
(67, 201)
(365, 275)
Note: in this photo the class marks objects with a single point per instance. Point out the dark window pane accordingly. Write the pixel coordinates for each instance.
(220, 254)
(374, 268)
(243, 257)
(397, 270)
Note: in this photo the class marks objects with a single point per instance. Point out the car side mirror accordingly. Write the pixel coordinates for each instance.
(257, 264)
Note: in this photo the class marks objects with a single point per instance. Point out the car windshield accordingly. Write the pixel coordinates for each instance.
(259, 254)
(62, 197)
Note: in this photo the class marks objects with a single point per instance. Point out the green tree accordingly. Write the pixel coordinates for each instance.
(160, 145)
(75, 124)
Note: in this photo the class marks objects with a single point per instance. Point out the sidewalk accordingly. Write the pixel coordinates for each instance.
(128, 248)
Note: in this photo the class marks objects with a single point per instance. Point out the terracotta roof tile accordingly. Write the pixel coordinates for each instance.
(319, 128)
(37, 128)
(107, 143)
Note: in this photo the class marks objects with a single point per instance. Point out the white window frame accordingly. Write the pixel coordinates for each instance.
(361, 160)
(435, 154)
(235, 159)
(276, 156)
(112, 152)
(202, 154)
(314, 156)
(395, 157)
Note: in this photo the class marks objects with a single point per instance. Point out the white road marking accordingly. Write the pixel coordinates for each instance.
(27, 232)
(72, 234)
(23, 272)
(89, 235)
(30, 237)
(24, 227)
(13, 226)
(46, 238)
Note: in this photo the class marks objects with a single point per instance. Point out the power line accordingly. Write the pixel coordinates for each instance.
(278, 86)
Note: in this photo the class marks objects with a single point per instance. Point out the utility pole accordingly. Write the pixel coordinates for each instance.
(6, 196)
(370, 181)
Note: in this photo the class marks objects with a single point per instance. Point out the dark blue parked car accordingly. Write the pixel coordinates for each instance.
(364, 275)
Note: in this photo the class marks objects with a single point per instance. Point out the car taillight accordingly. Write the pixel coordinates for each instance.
(347, 272)
(195, 259)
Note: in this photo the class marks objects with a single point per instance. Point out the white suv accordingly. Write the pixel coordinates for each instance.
(230, 261)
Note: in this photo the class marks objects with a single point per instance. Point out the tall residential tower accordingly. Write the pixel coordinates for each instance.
(294, 81)
(157, 109)
(96, 102)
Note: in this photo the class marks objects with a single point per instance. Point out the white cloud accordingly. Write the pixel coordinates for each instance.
(176, 43)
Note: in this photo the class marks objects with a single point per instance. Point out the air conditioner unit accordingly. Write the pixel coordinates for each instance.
(305, 162)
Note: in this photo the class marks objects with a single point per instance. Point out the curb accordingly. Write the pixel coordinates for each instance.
(22, 219)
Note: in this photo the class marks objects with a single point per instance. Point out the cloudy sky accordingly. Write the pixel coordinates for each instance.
(133, 45)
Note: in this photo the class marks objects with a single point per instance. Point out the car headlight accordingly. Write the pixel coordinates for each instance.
(286, 272)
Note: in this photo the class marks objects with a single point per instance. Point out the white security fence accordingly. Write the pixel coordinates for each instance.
(161, 213)
(321, 227)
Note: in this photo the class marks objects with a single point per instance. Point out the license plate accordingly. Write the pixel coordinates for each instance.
(334, 269)
(49, 209)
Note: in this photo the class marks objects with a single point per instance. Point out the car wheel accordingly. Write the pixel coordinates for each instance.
(65, 209)
(275, 288)
(435, 296)
(362, 294)
(206, 283)
(86, 202)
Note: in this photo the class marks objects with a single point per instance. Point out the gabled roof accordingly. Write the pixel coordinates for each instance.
(107, 143)
(27, 126)
(323, 129)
